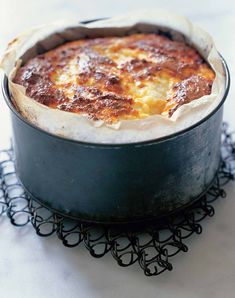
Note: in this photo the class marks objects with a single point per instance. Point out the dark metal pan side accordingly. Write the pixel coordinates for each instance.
(117, 183)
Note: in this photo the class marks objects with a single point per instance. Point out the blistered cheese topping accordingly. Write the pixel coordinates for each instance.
(114, 78)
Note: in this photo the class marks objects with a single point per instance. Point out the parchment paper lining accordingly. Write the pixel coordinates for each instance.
(80, 127)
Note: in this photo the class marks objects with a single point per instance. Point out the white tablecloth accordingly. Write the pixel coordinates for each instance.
(41, 267)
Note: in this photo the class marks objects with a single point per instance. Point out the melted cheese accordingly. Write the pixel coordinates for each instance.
(141, 71)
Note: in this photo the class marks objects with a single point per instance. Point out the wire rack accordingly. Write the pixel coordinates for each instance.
(151, 245)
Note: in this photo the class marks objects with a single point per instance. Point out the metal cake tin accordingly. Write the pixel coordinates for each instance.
(112, 183)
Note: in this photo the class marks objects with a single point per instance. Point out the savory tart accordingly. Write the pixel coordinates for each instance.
(117, 78)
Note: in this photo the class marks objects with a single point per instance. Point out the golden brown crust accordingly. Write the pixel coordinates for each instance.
(115, 78)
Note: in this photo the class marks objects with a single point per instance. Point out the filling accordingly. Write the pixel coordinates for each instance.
(115, 78)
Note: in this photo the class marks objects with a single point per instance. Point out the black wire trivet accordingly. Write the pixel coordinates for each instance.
(151, 246)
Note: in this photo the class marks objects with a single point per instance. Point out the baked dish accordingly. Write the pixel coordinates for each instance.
(116, 78)
(126, 79)
(129, 107)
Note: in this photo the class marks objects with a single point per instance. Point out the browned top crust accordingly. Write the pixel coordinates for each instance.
(114, 78)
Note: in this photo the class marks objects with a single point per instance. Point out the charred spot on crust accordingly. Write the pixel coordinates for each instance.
(189, 90)
(98, 106)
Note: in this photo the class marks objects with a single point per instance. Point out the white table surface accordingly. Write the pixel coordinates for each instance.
(34, 267)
